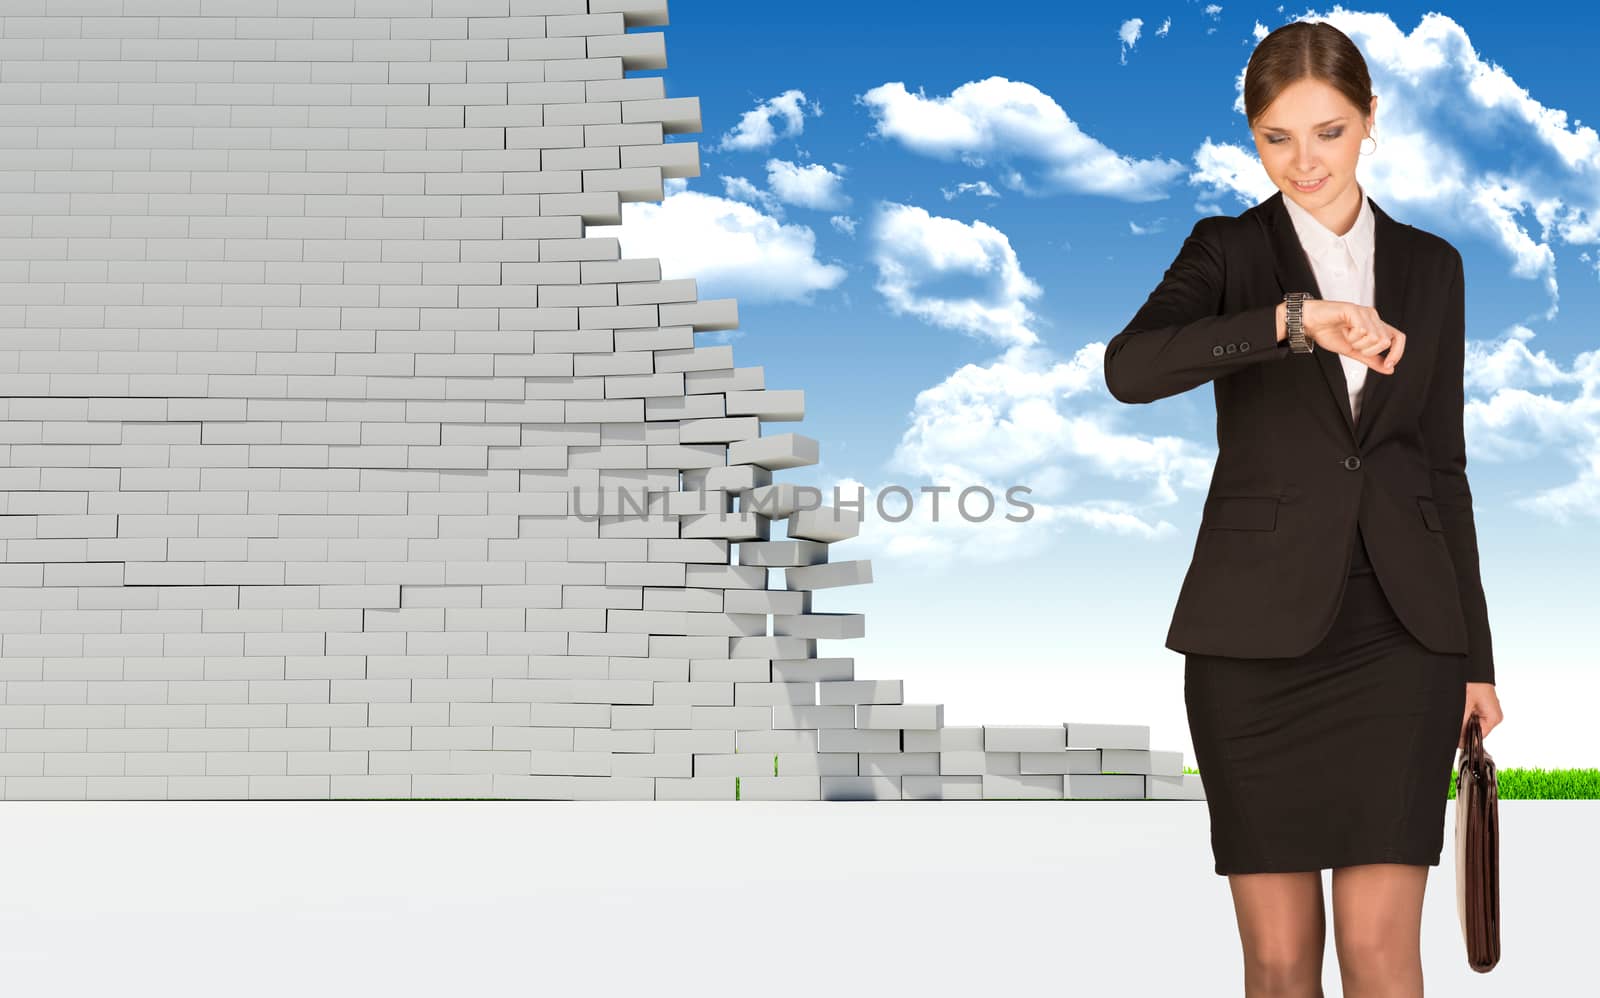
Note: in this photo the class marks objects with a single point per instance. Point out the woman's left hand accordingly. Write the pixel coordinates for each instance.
(1483, 701)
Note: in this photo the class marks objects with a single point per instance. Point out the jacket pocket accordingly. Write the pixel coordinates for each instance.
(1430, 513)
(1241, 513)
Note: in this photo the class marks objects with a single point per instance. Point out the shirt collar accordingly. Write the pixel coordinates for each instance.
(1318, 239)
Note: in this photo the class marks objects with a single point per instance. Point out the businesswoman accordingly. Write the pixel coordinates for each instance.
(1333, 622)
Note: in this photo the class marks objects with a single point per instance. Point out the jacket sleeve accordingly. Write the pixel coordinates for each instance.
(1178, 339)
(1443, 415)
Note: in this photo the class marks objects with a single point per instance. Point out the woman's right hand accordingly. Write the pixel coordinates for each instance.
(1353, 330)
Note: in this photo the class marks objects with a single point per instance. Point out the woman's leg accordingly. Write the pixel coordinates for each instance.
(1283, 930)
(1377, 928)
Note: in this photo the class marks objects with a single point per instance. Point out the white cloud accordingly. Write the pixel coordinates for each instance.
(1593, 261)
(1001, 119)
(1026, 418)
(810, 186)
(1517, 424)
(1508, 363)
(1021, 417)
(1166, 26)
(923, 259)
(1523, 419)
(844, 223)
(755, 129)
(741, 189)
(1023, 410)
(980, 188)
(1128, 34)
(729, 247)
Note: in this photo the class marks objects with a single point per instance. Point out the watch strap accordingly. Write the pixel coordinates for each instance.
(1294, 325)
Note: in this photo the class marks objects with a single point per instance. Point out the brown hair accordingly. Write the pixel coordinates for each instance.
(1300, 50)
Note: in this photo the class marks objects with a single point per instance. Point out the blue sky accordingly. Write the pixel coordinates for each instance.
(933, 221)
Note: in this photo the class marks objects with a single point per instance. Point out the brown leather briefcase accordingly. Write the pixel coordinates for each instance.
(1478, 851)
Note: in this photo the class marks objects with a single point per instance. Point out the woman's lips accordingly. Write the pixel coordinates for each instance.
(1314, 187)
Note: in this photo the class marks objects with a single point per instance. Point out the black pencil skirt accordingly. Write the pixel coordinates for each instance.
(1337, 757)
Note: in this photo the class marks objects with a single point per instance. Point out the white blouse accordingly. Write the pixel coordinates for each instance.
(1343, 268)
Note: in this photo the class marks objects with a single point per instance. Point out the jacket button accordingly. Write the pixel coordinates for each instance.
(1244, 345)
(1352, 462)
(1216, 351)
(1233, 348)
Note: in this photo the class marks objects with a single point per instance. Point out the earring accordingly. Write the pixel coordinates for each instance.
(1374, 146)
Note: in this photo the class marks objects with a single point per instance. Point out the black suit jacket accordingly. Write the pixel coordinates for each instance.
(1294, 473)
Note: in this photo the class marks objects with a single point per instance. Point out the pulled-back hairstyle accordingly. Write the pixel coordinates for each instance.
(1300, 50)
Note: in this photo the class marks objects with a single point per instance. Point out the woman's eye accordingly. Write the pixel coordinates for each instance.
(1330, 136)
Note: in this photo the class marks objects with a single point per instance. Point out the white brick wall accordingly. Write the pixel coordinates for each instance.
(304, 350)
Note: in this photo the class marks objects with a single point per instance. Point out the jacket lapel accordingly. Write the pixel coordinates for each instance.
(1293, 272)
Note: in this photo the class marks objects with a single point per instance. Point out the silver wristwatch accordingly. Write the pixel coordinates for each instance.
(1292, 325)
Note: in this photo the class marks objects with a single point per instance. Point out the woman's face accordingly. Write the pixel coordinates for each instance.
(1311, 132)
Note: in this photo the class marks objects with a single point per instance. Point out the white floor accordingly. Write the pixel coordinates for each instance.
(1103, 899)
